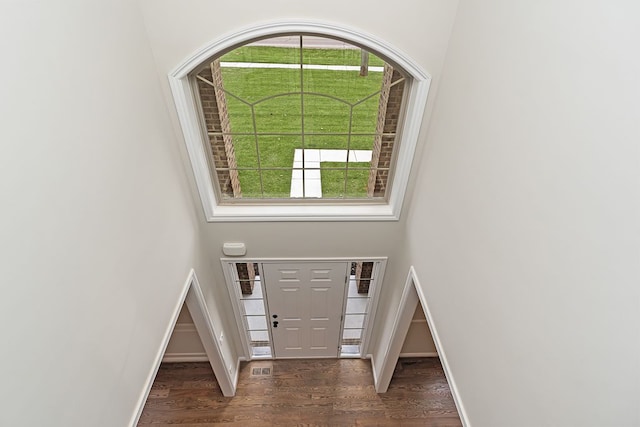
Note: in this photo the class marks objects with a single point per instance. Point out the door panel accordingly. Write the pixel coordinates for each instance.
(305, 307)
(293, 338)
(319, 339)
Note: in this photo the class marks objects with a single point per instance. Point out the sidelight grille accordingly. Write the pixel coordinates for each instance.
(357, 307)
(249, 287)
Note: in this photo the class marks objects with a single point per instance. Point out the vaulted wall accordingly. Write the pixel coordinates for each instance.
(525, 221)
(98, 229)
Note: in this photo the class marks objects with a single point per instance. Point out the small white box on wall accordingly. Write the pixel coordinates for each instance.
(234, 249)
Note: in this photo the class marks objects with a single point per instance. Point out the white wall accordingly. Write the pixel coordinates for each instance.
(524, 227)
(97, 226)
(418, 341)
(185, 344)
(177, 29)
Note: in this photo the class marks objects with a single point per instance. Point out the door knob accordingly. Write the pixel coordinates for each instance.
(275, 323)
(275, 316)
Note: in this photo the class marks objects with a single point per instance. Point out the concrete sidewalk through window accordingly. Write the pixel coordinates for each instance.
(306, 173)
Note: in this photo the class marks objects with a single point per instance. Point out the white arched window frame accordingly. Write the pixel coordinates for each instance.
(186, 106)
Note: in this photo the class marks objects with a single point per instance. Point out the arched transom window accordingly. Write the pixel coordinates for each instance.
(300, 120)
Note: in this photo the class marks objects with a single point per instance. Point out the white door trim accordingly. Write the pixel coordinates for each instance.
(202, 320)
(401, 323)
(411, 295)
(192, 294)
(374, 292)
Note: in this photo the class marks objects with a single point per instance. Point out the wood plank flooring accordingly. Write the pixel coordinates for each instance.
(312, 392)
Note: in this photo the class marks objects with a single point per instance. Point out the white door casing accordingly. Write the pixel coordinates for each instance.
(305, 302)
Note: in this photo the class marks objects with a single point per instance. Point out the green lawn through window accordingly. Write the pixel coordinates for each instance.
(268, 101)
(333, 179)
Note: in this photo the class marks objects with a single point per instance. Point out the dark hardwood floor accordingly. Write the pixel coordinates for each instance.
(326, 392)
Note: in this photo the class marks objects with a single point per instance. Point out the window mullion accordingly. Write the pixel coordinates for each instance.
(255, 138)
(346, 166)
(302, 141)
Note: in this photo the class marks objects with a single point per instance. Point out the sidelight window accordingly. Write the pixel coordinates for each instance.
(249, 294)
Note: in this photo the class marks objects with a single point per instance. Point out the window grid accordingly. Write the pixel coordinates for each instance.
(376, 171)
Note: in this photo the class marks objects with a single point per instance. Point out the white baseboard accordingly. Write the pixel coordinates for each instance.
(441, 353)
(426, 354)
(142, 399)
(185, 328)
(373, 368)
(185, 357)
(237, 374)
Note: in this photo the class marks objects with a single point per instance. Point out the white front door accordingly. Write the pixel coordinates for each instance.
(305, 307)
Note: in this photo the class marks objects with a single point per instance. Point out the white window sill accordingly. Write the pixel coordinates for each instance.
(227, 213)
